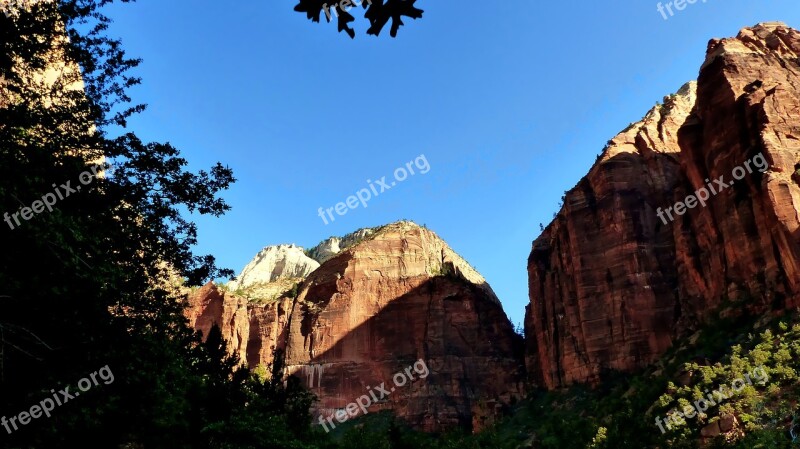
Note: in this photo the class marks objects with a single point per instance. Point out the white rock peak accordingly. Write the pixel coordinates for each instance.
(273, 263)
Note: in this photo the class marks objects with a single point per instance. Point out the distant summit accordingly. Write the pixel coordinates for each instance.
(382, 298)
(274, 263)
(334, 245)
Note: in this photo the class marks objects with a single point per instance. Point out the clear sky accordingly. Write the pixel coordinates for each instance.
(509, 101)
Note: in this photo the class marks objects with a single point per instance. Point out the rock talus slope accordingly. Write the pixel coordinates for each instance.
(611, 285)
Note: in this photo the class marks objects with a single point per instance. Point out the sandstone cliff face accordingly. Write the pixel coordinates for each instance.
(374, 309)
(601, 275)
(253, 331)
(746, 243)
(611, 285)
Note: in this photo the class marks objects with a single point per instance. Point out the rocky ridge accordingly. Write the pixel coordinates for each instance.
(332, 246)
(274, 263)
(611, 284)
(399, 295)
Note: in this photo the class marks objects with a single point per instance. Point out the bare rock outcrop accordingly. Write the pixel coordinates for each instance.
(253, 331)
(334, 245)
(209, 307)
(398, 296)
(274, 263)
(611, 283)
(746, 244)
(602, 274)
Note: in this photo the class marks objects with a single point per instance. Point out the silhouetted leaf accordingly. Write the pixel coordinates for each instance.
(378, 12)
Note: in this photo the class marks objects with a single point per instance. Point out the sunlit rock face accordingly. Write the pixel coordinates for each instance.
(274, 263)
(397, 296)
(611, 283)
(334, 245)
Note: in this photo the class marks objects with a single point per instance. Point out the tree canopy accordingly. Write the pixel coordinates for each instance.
(92, 280)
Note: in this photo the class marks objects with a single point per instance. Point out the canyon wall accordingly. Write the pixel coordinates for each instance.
(398, 296)
(616, 279)
(613, 281)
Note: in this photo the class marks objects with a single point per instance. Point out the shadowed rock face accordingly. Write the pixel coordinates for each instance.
(611, 285)
(373, 310)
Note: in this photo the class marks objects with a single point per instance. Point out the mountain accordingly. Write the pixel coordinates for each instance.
(400, 296)
(274, 263)
(334, 245)
(679, 245)
(622, 272)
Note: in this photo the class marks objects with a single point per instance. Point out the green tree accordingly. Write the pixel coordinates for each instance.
(91, 282)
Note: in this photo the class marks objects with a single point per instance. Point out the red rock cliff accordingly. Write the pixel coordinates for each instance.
(371, 311)
(611, 284)
(252, 331)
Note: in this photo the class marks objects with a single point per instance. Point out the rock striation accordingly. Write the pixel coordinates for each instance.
(253, 331)
(612, 284)
(398, 295)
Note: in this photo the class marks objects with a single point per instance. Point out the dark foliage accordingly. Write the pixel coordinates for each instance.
(91, 282)
(378, 12)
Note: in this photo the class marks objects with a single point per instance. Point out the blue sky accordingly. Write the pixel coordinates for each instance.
(510, 102)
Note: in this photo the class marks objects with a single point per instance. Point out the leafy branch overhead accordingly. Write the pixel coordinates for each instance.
(378, 12)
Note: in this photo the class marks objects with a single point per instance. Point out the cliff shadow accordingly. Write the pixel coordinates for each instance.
(465, 340)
